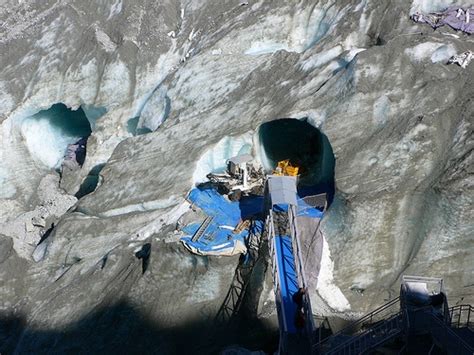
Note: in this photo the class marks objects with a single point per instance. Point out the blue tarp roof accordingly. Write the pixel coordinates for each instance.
(225, 213)
(213, 204)
(228, 213)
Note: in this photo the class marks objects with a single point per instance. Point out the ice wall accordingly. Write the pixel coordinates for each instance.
(214, 160)
(48, 133)
(436, 5)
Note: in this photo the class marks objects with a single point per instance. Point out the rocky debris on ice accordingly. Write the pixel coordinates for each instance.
(398, 121)
(27, 229)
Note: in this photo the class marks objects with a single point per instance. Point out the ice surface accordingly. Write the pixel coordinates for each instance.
(322, 58)
(7, 189)
(321, 21)
(144, 206)
(436, 5)
(381, 110)
(422, 51)
(220, 92)
(115, 9)
(168, 218)
(262, 47)
(93, 114)
(214, 160)
(155, 111)
(302, 30)
(443, 53)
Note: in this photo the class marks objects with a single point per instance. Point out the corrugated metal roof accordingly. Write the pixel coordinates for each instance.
(282, 189)
(239, 159)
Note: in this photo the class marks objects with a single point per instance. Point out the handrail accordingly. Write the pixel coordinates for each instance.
(300, 274)
(300, 269)
(454, 337)
(276, 277)
(462, 309)
(352, 326)
(368, 340)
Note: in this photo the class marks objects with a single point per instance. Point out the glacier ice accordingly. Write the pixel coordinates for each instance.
(422, 51)
(7, 189)
(428, 6)
(93, 114)
(221, 92)
(48, 133)
(155, 112)
(443, 53)
(214, 159)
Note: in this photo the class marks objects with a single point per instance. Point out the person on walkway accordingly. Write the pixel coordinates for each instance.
(300, 317)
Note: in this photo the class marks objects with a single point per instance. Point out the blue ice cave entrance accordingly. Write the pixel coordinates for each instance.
(48, 133)
(306, 147)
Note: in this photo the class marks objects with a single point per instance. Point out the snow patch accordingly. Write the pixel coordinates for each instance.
(352, 53)
(142, 207)
(381, 110)
(322, 58)
(326, 288)
(443, 53)
(422, 51)
(360, 6)
(214, 160)
(44, 141)
(115, 9)
(168, 218)
(263, 47)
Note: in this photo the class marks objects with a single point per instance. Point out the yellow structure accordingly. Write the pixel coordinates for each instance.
(284, 167)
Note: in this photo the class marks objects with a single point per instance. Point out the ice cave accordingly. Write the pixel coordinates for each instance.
(304, 145)
(48, 133)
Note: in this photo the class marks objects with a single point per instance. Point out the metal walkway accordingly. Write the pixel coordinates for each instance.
(289, 281)
(449, 328)
(402, 319)
(202, 228)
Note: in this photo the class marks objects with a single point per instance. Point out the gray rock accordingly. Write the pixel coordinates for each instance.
(400, 126)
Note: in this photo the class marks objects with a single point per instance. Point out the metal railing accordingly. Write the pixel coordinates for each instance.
(300, 271)
(440, 322)
(276, 280)
(447, 338)
(300, 275)
(361, 325)
(460, 316)
(371, 338)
